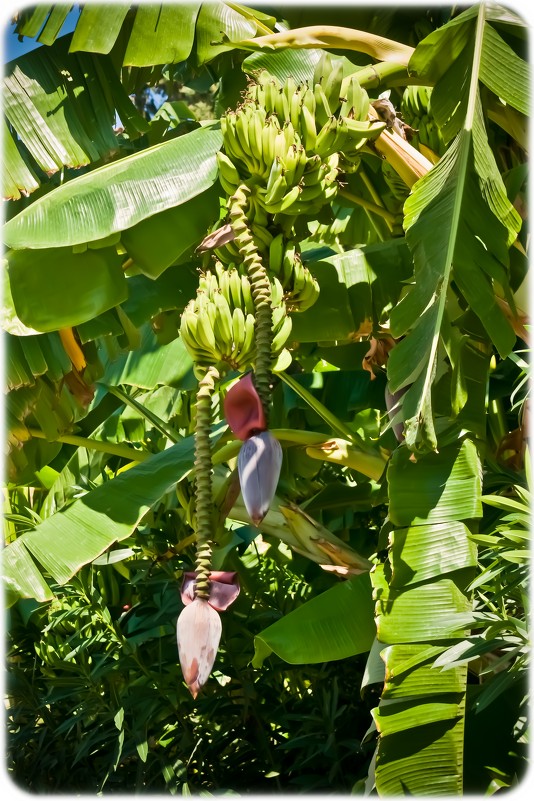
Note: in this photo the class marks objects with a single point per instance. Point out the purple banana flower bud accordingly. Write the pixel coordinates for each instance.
(243, 408)
(198, 631)
(259, 463)
(224, 589)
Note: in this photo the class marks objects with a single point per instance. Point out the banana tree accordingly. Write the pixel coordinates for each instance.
(341, 248)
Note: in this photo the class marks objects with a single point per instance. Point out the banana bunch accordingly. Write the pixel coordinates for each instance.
(303, 190)
(289, 142)
(108, 585)
(52, 650)
(219, 324)
(416, 110)
(329, 116)
(301, 289)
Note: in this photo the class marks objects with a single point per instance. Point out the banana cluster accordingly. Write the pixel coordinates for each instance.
(289, 142)
(301, 289)
(219, 324)
(417, 112)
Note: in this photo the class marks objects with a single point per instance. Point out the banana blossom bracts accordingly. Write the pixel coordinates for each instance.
(260, 457)
(199, 627)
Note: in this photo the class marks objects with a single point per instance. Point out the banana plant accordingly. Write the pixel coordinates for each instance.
(301, 300)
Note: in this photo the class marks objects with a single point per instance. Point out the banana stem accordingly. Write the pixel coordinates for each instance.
(375, 196)
(94, 445)
(369, 205)
(261, 293)
(203, 489)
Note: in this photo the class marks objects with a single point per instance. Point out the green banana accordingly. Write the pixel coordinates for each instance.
(326, 138)
(295, 102)
(277, 293)
(322, 68)
(235, 288)
(230, 139)
(188, 334)
(312, 192)
(267, 140)
(306, 291)
(354, 99)
(308, 101)
(282, 106)
(245, 355)
(205, 334)
(331, 84)
(288, 264)
(365, 129)
(228, 173)
(246, 292)
(287, 201)
(223, 323)
(322, 107)
(271, 93)
(276, 254)
(279, 312)
(307, 128)
(281, 336)
(254, 128)
(262, 237)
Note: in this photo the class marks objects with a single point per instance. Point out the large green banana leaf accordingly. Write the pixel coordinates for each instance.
(64, 542)
(51, 93)
(356, 286)
(149, 34)
(459, 224)
(337, 624)
(50, 96)
(422, 604)
(119, 195)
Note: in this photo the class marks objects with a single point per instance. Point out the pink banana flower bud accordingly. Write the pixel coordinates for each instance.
(198, 629)
(243, 408)
(259, 463)
(224, 589)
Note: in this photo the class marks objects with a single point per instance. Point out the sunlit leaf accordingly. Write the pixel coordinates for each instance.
(119, 195)
(337, 624)
(67, 540)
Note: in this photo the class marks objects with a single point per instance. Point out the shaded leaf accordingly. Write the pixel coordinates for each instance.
(151, 365)
(56, 288)
(161, 239)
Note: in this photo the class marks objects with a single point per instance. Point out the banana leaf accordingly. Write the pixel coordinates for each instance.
(56, 288)
(357, 286)
(66, 540)
(49, 96)
(422, 605)
(158, 33)
(459, 225)
(119, 195)
(335, 625)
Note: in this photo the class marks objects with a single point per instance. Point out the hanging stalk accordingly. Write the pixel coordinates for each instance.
(261, 292)
(203, 489)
